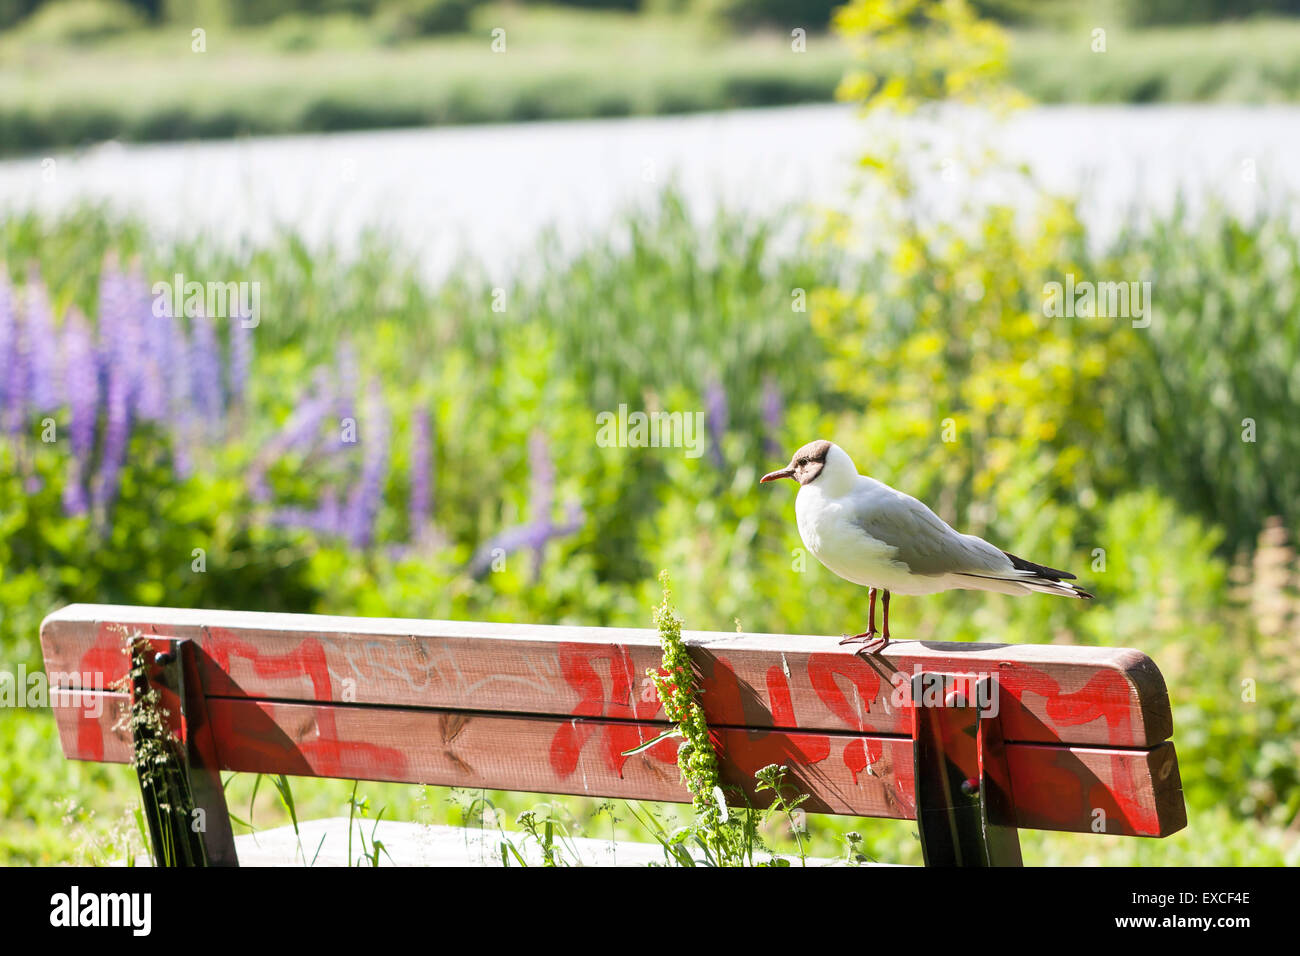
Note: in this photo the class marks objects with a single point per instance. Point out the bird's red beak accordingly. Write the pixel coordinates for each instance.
(774, 475)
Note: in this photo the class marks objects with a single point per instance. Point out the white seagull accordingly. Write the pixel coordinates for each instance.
(870, 534)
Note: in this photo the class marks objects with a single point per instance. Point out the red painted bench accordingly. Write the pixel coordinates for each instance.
(971, 740)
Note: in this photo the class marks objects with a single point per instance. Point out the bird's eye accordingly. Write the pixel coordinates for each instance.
(802, 461)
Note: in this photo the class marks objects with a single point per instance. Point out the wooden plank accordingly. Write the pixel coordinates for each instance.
(1051, 694)
(1055, 787)
(1116, 795)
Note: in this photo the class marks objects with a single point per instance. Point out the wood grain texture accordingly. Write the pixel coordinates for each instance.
(1055, 787)
(1051, 694)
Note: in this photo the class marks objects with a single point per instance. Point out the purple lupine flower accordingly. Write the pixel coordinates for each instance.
(80, 383)
(205, 369)
(328, 517)
(368, 492)
(291, 517)
(540, 530)
(43, 387)
(157, 354)
(531, 536)
(541, 496)
(180, 408)
(241, 358)
(715, 417)
(421, 504)
(13, 360)
(118, 342)
(773, 413)
(324, 519)
(117, 434)
(299, 434)
(348, 380)
(9, 355)
(81, 386)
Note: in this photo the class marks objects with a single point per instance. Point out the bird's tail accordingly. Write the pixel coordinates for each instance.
(1057, 587)
(1027, 576)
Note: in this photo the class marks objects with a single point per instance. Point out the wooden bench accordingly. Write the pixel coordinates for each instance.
(971, 740)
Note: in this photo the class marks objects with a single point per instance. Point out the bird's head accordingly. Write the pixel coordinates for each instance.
(812, 461)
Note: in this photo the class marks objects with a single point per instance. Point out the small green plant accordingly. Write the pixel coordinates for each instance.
(772, 777)
(726, 835)
(168, 801)
(372, 848)
(854, 855)
(550, 833)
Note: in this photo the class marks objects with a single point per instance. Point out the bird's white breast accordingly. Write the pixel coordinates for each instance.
(828, 531)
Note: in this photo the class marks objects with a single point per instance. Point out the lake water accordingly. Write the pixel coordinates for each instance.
(489, 191)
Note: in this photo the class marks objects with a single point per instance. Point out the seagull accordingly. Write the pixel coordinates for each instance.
(869, 533)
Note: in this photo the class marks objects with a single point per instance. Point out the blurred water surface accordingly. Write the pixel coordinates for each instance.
(487, 192)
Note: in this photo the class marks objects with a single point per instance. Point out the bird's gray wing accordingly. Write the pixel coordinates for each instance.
(921, 539)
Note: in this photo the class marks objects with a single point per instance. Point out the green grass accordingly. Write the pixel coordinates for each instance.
(337, 73)
(557, 64)
(1254, 61)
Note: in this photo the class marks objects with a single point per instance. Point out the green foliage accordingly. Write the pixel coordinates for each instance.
(80, 22)
(1222, 352)
(317, 74)
(921, 51)
(810, 15)
(145, 554)
(679, 694)
(402, 20)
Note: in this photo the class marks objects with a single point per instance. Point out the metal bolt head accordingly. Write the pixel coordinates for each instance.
(162, 658)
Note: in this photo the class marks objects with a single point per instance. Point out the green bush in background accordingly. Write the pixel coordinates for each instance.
(80, 22)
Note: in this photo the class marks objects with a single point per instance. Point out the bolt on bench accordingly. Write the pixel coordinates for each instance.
(973, 741)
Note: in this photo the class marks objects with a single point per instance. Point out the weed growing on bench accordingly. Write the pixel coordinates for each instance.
(727, 836)
(165, 788)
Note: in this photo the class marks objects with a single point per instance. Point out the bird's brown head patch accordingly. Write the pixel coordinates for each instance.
(806, 464)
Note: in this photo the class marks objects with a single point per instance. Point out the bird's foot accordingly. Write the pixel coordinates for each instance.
(872, 648)
(864, 637)
(872, 642)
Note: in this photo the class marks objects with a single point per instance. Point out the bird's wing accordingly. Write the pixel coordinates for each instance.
(920, 538)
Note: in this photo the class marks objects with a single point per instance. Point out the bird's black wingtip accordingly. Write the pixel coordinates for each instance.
(1042, 570)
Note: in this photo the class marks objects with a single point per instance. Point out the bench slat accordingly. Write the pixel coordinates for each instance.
(1051, 694)
(1055, 787)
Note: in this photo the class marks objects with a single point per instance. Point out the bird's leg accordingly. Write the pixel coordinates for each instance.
(886, 633)
(879, 643)
(870, 632)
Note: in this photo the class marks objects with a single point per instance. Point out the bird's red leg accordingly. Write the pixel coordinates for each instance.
(886, 632)
(877, 644)
(870, 633)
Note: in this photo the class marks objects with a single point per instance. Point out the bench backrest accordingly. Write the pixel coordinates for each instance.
(1085, 731)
